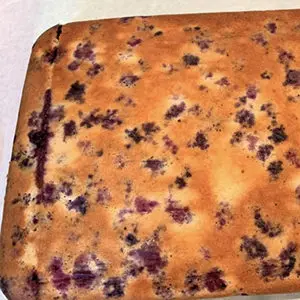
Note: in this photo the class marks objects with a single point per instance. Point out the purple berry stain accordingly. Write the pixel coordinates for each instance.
(144, 206)
(61, 281)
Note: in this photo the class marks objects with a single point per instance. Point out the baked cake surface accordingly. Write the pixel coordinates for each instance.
(157, 158)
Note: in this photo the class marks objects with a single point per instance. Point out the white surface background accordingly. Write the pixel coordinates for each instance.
(22, 21)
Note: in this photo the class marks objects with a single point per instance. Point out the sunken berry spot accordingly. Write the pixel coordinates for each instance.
(38, 138)
(61, 281)
(79, 204)
(245, 118)
(128, 80)
(190, 60)
(259, 39)
(213, 281)
(144, 206)
(131, 239)
(271, 27)
(158, 33)
(223, 81)
(288, 259)
(204, 44)
(95, 69)
(297, 192)
(70, 129)
(93, 118)
(266, 75)
(275, 168)
(154, 164)
(110, 120)
(84, 51)
(252, 141)
(134, 41)
(285, 57)
(200, 141)
(103, 195)
(236, 137)
(175, 110)
(48, 194)
(34, 119)
(74, 65)
(269, 269)
(135, 135)
(34, 283)
(193, 282)
(114, 287)
(292, 156)
(253, 248)
(150, 128)
(278, 135)
(252, 92)
(264, 151)
(18, 234)
(170, 144)
(161, 289)
(180, 214)
(292, 78)
(52, 55)
(76, 92)
(266, 227)
(223, 215)
(149, 257)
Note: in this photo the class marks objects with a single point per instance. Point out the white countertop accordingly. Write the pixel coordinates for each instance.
(22, 21)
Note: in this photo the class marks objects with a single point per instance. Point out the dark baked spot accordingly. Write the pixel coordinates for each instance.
(144, 206)
(103, 195)
(288, 259)
(25, 199)
(158, 33)
(292, 78)
(154, 164)
(180, 214)
(213, 281)
(269, 269)
(204, 44)
(84, 51)
(93, 118)
(34, 119)
(266, 75)
(180, 182)
(149, 257)
(51, 56)
(18, 234)
(134, 41)
(264, 151)
(236, 137)
(128, 80)
(223, 81)
(61, 281)
(79, 204)
(259, 39)
(114, 287)
(297, 192)
(245, 117)
(190, 60)
(125, 20)
(95, 69)
(278, 135)
(170, 144)
(4, 286)
(161, 288)
(292, 156)
(69, 129)
(34, 282)
(76, 92)
(48, 194)
(271, 27)
(131, 239)
(266, 227)
(275, 168)
(195, 110)
(23, 159)
(135, 135)
(175, 110)
(200, 141)
(251, 92)
(59, 31)
(253, 248)
(223, 214)
(150, 128)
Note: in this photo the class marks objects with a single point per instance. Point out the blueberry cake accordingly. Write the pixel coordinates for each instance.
(157, 158)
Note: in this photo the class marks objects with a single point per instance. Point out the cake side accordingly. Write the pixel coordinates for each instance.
(157, 158)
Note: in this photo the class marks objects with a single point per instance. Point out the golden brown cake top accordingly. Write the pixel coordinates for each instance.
(157, 158)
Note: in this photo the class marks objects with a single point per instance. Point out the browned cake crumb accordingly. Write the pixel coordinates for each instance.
(157, 158)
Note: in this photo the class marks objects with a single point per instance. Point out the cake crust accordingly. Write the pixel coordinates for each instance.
(157, 158)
